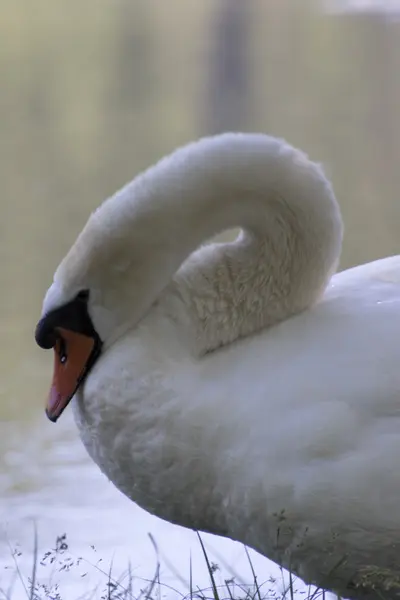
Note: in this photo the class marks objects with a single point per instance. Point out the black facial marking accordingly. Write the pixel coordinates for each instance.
(83, 295)
(73, 316)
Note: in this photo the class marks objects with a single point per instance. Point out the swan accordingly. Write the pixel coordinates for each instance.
(240, 388)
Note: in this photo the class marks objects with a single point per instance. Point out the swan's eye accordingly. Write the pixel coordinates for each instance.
(62, 350)
(83, 295)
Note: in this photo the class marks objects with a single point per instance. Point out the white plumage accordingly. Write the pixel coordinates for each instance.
(243, 390)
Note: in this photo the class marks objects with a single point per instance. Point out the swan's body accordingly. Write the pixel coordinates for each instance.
(233, 394)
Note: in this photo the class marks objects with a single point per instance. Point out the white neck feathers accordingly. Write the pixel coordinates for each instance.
(147, 237)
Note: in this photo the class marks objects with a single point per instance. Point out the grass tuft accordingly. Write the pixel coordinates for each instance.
(128, 586)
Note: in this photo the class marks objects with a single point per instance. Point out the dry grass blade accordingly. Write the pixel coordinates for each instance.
(210, 571)
(32, 595)
(257, 589)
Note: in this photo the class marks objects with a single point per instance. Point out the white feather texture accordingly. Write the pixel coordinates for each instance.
(242, 389)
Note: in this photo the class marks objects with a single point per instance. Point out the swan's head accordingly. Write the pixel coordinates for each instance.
(84, 311)
(109, 278)
(113, 273)
(69, 330)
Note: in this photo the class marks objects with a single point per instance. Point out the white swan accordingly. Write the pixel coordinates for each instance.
(237, 388)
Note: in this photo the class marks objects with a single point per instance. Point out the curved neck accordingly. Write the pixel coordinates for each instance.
(148, 235)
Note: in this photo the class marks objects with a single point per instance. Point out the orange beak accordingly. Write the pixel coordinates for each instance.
(73, 357)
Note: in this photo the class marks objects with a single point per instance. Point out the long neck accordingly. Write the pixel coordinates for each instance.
(149, 233)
